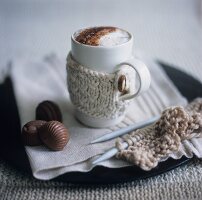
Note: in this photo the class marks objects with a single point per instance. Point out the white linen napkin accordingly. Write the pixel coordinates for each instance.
(35, 81)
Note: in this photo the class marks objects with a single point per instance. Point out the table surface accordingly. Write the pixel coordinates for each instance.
(169, 30)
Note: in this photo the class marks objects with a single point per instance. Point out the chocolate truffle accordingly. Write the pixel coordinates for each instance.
(30, 135)
(48, 111)
(54, 135)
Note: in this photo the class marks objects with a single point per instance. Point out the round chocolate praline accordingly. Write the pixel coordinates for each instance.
(48, 111)
(54, 135)
(30, 134)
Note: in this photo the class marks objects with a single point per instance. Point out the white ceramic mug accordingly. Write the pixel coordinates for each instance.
(109, 60)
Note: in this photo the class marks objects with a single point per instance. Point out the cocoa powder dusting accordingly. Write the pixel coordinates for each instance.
(92, 36)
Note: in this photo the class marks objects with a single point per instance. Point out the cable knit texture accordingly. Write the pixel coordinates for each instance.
(147, 146)
(94, 93)
(181, 183)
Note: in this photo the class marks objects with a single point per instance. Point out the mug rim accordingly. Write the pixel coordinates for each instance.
(101, 47)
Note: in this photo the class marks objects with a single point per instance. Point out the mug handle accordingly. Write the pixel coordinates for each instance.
(143, 75)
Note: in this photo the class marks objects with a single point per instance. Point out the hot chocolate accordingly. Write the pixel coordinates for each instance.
(102, 36)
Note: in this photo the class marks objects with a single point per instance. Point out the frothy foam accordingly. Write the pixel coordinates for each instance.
(102, 36)
(114, 38)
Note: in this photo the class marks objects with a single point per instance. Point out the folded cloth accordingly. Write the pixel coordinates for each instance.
(36, 81)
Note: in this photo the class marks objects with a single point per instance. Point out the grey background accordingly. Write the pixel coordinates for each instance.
(170, 30)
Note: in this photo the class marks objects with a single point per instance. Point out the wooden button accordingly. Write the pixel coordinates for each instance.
(122, 83)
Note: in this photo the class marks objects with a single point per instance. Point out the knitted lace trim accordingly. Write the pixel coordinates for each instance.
(147, 146)
(94, 93)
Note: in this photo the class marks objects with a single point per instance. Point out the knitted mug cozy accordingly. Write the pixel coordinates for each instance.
(95, 93)
(147, 146)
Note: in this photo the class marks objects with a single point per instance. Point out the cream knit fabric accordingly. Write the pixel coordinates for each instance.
(147, 146)
(94, 93)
